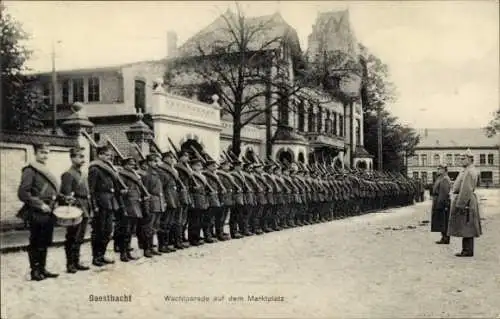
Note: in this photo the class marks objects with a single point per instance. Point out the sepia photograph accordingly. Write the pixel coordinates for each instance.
(250, 159)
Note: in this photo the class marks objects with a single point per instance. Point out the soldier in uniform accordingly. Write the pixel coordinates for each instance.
(214, 213)
(106, 191)
(141, 171)
(75, 189)
(180, 215)
(156, 205)
(441, 204)
(134, 201)
(201, 205)
(171, 193)
(185, 174)
(236, 219)
(234, 195)
(38, 191)
(465, 220)
(265, 189)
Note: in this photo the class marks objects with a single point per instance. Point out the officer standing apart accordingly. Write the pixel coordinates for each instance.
(38, 191)
(441, 204)
(465, 220)
(74, 186)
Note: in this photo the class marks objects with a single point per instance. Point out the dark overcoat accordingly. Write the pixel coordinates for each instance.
(440, 204)
(153, 183)
(465, 220)
(133, 200)
(73, 181)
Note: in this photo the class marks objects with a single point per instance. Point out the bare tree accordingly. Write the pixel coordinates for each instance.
(255, 65)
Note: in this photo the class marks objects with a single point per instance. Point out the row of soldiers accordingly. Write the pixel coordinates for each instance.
(183, 201)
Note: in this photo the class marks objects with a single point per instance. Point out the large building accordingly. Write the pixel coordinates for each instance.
(446, 145)
(182, 106)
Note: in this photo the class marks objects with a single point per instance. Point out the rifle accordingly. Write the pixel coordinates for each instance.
(122, 183)
(173, 146)
(141, 185)
(198, 155)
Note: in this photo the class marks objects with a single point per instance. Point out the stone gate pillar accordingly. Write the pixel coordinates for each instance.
(77, 123)
(139, 135)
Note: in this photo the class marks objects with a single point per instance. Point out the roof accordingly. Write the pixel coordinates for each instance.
(458, 138)
(271, 27)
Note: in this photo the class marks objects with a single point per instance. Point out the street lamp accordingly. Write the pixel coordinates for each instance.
(54, 86)
(405, 158)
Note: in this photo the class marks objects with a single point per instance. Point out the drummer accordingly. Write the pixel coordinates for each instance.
(75, 188)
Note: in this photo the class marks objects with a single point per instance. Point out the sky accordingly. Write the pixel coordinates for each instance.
(443, 57)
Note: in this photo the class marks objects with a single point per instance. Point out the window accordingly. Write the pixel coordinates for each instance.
(449, 159)
(486, 178)
(434, 176)
(47, 97)
(358, 132)
(65, 91)
(283, 110)
(482, 159)
(78, 95)
(415, 160)
(423, 157)
(424, 177)
(341, 125)
(437, 159)
(490, 159)
(415, 175)
(319, 120)
(334, 124)
(140, 96)
(94, 90)
(302, 115)
(457, 159)
(310, 120)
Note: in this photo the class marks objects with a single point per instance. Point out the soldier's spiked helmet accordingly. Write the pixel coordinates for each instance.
(152, 156)
(167, 154)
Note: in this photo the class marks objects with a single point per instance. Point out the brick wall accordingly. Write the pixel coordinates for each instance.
(116, 133)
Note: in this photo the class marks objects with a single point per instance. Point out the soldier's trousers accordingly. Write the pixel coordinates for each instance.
(74, 240)
(220, 220)
(126, 225)
(102, 228)
(208, 221)
(41, 227)
(248, 214)
(165, 227)
(256, 219)
(194, 224)
(236, 219)
(266, 222)
(180, 219)
(149, 226)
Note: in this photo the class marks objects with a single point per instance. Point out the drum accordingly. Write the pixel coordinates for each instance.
(68, 215)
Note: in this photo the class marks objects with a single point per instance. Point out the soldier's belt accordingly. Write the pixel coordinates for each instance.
(82, 196)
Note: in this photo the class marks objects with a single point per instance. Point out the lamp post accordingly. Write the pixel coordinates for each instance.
(54, 86)
(405, 158)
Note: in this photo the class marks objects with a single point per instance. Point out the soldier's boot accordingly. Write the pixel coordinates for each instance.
(180, 236)
(36, 273)
(96, 257)
(102, 251)
(151, 245)
(163, 242)
(43, 262)
(116, 242)
(76, 259)
(445, 240)
(70, 259)
(467, 248)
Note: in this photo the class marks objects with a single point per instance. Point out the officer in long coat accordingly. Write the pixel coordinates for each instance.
(75, 189)
(441, 204)
(465, 220)
(38, 191)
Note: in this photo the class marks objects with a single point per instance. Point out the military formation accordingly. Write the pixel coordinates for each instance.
(179, 199)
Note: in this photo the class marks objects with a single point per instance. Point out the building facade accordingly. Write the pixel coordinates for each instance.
(180, 109)
(446, 145)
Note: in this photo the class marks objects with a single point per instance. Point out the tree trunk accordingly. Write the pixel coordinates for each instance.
(269, 116)
(236, 146)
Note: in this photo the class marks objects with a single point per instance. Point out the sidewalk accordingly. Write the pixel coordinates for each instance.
(18, 240)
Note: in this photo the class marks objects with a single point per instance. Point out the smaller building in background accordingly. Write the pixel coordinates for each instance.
(446, 145)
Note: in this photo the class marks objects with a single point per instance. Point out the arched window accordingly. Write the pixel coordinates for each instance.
(334, 123)
(140, 96)
(319, 115)
(302, 116)
(310, 119)
(250, 155)
(301, 157)
(358, 132)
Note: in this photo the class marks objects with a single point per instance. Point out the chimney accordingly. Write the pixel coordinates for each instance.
(171, 44)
